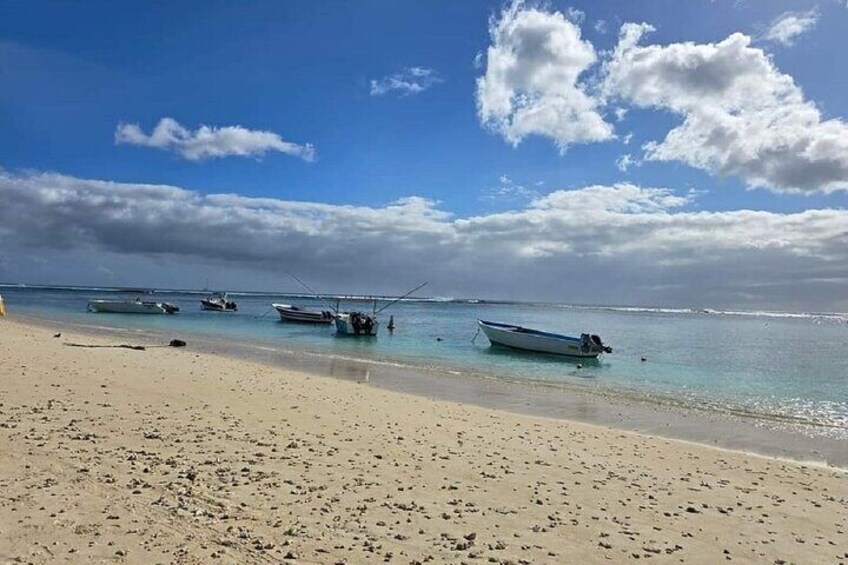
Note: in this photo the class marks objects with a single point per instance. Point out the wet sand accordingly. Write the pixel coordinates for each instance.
(180, 455)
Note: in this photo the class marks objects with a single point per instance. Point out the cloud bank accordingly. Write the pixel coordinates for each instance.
(412, 80)
(210, 142)
(740, 115)
(597, 244)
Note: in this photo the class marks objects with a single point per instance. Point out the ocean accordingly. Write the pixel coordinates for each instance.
(775, 370)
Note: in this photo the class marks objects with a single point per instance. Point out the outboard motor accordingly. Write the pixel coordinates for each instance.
(170, 308)
(356, 322)
(600, 344)
(585, 343)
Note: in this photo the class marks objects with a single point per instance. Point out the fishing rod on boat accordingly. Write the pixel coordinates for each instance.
(318, 296)
(396, 300)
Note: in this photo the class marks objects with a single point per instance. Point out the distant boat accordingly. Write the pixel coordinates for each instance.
(137, 306)
(291, 313)
(356, 324)
(526, 339)
(218, 302)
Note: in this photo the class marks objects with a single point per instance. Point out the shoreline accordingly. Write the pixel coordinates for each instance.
(179, 455)
(664, 418)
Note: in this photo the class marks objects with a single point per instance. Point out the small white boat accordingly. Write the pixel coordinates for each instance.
(137, 306)
(517, 337)
(356, 324)
(218, 302)
(291, 313)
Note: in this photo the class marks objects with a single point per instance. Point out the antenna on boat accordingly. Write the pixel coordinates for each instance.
(318, 296)
(396, 300)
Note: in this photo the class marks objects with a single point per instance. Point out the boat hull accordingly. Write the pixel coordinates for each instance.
(290, 313)
(213, 306)
(218, 302)
(346, 327)
(516, 337)
(126, 307)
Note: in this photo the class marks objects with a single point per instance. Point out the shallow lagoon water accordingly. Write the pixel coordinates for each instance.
(781, 370)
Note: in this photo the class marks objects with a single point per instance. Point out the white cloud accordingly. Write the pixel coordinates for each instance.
(508, 190)
(601, 26)
(789, 25)
(741, 115)
(624, 162)
(576, 15)
(411, 80)
(611, 243)
(210, 142)
(477, 63)
(532, 85)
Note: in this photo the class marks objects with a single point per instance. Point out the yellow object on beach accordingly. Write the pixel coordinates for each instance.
(2, 307)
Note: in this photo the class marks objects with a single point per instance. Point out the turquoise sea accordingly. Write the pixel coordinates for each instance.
(775, 369)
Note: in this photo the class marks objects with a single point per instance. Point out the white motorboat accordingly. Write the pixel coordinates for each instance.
(526, 339)
(356, 324)
(137, 306)
(218, 302)
(291, 313)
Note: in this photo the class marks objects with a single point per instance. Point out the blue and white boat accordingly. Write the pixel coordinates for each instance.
(137, 306)
(289, 313)
(526, 339)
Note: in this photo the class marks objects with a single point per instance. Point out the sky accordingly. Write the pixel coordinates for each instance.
(663, 153)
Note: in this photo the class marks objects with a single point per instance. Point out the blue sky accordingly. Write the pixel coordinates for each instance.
(72, 74)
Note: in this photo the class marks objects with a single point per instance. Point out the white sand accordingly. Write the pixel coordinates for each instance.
(167, 455)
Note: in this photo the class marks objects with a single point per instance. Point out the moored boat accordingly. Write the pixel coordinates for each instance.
(218, 302)
(137, 306)
(291, 313)
(526, 339)
(356, 324)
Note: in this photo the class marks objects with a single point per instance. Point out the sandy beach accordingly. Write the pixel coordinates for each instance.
(170, 455)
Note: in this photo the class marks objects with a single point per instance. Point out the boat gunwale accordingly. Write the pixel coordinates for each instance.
(295, 309)
(509, 328)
